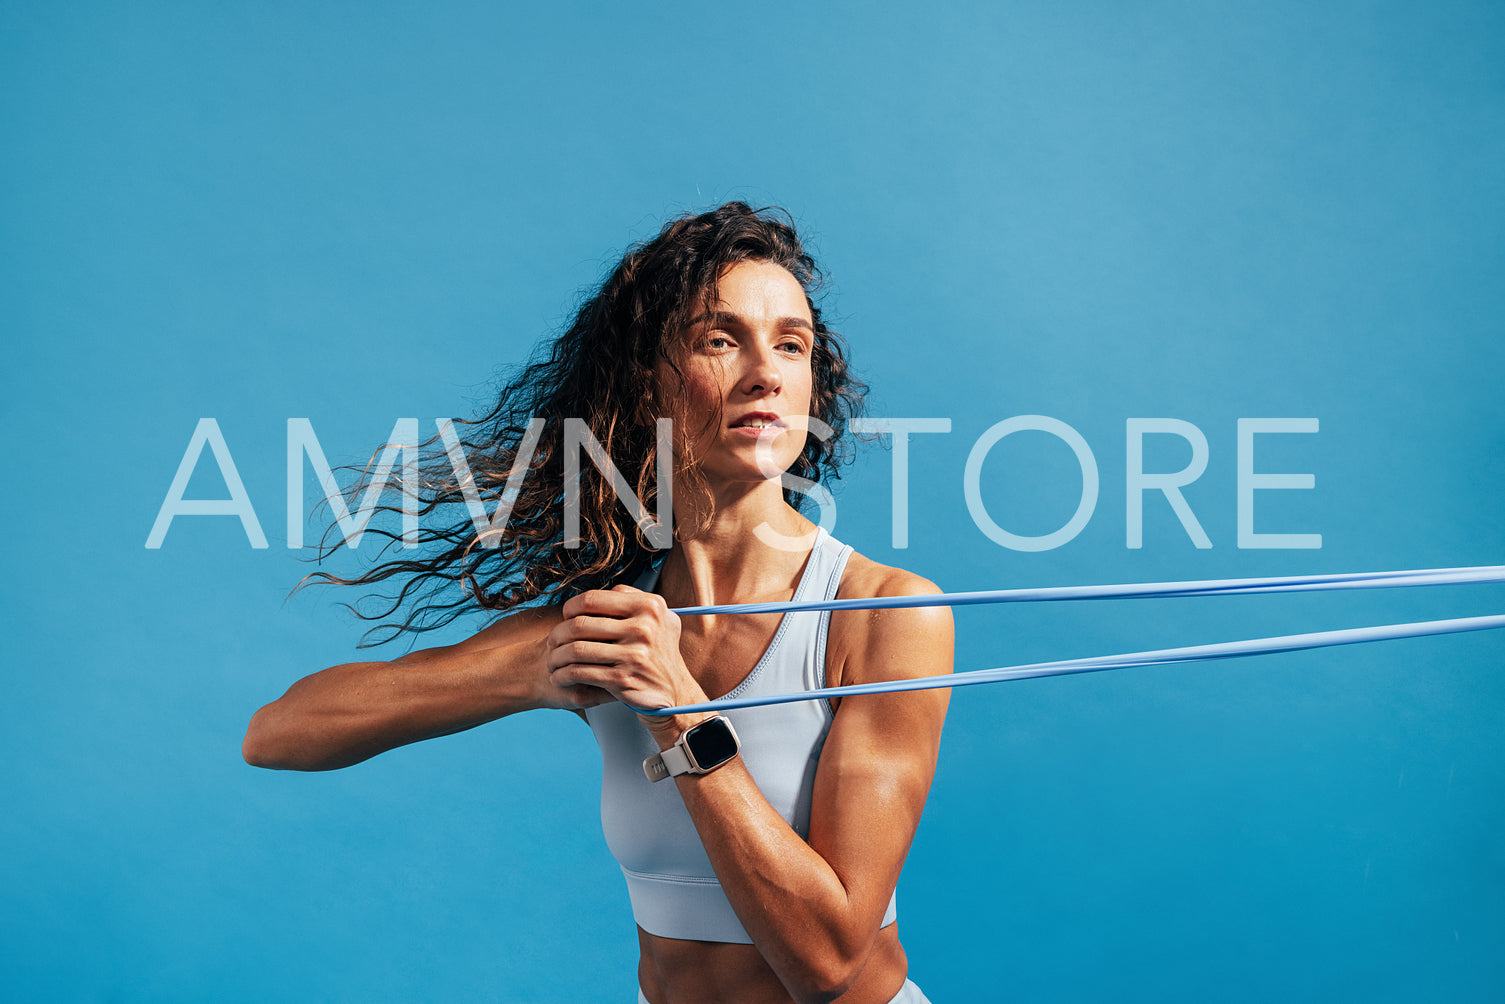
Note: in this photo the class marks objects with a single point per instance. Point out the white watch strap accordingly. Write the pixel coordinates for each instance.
(670, 762)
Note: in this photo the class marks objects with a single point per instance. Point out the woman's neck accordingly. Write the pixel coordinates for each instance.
(753, 549)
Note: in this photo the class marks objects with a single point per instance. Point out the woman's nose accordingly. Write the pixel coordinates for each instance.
(761, 377)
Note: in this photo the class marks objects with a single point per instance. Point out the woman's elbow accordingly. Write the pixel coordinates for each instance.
(825, 987)
(824, 994)
(827, 978)
(267, 745)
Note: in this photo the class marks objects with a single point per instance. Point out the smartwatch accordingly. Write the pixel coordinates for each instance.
(700, 750)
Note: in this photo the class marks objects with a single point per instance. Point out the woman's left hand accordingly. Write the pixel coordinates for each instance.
(626, 642)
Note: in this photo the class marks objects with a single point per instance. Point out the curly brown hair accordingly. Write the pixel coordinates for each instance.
(601, 369)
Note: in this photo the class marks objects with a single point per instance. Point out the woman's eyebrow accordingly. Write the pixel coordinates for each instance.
(726, 319)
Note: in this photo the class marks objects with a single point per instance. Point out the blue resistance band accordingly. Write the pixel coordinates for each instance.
(1141, 590)
(1067, 667)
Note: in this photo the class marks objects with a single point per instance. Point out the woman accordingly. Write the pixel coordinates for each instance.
(765, 869)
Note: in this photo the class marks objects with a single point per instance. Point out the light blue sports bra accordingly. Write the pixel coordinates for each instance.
(674, 891)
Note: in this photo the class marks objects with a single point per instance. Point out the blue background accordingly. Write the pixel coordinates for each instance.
(356, 212)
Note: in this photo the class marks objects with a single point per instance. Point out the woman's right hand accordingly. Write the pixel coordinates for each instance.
(622, 644)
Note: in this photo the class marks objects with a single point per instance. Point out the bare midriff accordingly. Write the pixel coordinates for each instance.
(672, 971)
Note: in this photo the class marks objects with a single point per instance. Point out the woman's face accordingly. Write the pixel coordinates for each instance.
(748, 362)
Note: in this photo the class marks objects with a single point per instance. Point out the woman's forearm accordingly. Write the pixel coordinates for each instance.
(814, 932)
(352, 712)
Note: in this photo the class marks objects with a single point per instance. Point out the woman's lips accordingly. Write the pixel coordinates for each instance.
(758, 418)
(751, 432)
(758, 426)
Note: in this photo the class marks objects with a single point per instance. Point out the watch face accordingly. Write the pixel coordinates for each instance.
(712, 743)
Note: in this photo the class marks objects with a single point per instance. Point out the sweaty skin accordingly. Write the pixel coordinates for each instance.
(812, 908)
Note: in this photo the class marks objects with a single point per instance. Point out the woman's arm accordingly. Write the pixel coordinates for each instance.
(813, 909)
(352, 712)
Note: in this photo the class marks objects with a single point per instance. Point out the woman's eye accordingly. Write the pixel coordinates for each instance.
(717, 342)
(793, 347)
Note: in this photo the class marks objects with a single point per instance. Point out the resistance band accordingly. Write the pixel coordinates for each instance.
(1142, 590)
(1067, 667)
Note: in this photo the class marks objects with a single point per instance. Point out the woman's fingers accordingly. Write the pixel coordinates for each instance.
(584, 628)
(619, 601)
(590, 679)
(622, 641)
(595, 653)
(582, 674)
(626, 617)
(582, 697)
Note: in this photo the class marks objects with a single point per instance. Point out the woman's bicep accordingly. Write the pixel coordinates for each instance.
(877, 765)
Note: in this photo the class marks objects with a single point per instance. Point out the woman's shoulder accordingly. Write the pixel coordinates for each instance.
(864, 641)
(864, 578)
